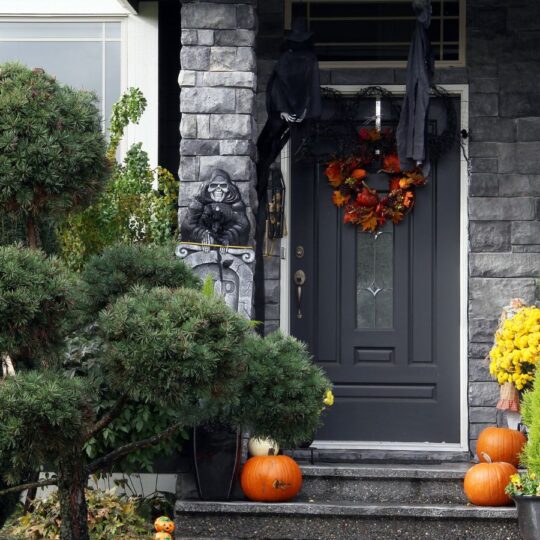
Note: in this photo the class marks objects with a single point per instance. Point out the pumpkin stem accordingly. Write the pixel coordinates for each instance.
(272, 452)
(486, 457)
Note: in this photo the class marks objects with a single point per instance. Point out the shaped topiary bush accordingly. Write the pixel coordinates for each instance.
(52, 148)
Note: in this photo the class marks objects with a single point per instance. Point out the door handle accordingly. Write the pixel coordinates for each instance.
(299, 280)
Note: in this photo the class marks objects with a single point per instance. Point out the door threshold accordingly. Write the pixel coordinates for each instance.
(372, 445)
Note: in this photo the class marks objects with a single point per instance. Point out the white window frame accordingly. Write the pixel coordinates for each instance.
(461, 62)
(139, 50)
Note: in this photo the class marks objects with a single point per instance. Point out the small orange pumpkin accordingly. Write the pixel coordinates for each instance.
(271, 478)
(164, 524)
(501, 444)
(485, 483)
(162, 536)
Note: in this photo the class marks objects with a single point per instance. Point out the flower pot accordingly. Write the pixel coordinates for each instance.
(216, 452)
(528, 516)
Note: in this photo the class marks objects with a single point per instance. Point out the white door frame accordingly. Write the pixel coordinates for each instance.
(461, 91)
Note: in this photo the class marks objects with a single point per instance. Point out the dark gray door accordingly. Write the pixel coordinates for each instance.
(381, 312)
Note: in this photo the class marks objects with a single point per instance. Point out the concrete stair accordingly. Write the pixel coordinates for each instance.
(360, 502)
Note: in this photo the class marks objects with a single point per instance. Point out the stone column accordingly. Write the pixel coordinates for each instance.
(218, 82)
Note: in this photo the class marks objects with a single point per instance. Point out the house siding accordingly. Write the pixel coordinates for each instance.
(503, 74)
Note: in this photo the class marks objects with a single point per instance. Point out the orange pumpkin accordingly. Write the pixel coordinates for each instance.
(271, 478)
(485, 483)
(164, 524)
(501, 444)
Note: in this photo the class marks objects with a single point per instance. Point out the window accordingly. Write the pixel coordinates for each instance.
(379, 32)
(82, 54)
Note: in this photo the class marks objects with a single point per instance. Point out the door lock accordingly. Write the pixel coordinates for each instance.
(299, 280)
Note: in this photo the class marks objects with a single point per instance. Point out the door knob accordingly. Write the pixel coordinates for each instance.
(299, 280)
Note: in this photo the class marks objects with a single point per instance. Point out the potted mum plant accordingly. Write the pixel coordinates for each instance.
(524, 487)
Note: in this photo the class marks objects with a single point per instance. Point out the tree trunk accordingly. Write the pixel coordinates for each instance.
(72, 481)
(31, 232)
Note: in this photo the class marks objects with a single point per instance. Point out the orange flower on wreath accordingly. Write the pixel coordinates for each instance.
(391, 164)
(334, 173)
(408, 199)
(404, 183)
(359, 174)
(339, 199)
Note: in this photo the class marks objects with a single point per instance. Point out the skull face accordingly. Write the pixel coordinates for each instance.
(218, 189)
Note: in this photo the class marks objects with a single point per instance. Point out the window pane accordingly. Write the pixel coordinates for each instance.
(112, 77)
(112, 30)
(62, 30)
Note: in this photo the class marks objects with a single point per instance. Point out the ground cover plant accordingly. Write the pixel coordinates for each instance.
(52, 148)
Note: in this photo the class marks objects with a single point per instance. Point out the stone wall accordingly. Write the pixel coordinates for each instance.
(218, 79)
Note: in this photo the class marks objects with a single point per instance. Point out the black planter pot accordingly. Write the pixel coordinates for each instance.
(528, 516)
(216, 453)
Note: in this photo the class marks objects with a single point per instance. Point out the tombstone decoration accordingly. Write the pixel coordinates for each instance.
(293, 96)
(412, 130)
(217, 215)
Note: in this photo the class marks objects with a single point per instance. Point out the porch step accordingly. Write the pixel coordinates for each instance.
(385, 484)
(343, 521)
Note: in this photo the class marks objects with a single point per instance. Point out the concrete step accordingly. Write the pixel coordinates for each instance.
(382, 483)
(343, 521)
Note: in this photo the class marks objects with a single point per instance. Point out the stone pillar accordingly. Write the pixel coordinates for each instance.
(218, 81)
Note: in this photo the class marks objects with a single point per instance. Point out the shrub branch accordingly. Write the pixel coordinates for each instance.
(31, 485)
(103, 422)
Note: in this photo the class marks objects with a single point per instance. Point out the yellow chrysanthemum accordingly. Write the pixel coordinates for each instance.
(328, 398)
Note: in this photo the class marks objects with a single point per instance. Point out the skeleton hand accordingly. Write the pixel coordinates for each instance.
(207, 239)
(288, 117)
(224, 248)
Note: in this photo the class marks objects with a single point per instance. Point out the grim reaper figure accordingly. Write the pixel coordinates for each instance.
(217, 214)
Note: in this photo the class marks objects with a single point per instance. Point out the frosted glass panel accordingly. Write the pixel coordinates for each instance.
(112, 76)
(59, 30)
(375, 279)
(112, 30)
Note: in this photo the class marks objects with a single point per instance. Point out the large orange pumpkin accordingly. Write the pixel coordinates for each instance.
(271, 478)
(485, 483)
(501, 444)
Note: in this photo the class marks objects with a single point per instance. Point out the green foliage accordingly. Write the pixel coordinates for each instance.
(530, 411)
(208, 287)
(121, 267)
(8, 503)
(175, 347)
(282, 396)
(132, 208)
(36, 298)
(52, 149)
(43, 415)
(109, 516)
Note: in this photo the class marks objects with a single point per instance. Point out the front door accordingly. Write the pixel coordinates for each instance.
(381, 312)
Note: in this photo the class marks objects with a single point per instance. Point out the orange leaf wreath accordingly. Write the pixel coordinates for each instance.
(364, 206)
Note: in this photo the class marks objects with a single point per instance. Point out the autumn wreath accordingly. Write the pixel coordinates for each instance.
(363, 205)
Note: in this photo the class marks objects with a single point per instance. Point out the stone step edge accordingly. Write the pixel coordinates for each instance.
(393, 472)
(440, 511)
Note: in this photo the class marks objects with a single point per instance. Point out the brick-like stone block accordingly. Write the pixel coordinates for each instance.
(246, 17)
(483, 394)
(245, 101)
(534, 248)
(515, 105)
(237, 148)
(230, 126)
(483, 149)
(487, 296)
(504, 264)
(519, 77)
(484, 185)
(188, 126)
(240, 168)
(526, 232)
(187, 78)
(488, 128)
(234, 38)
(483, 415)
(482, 330)
(232, 59)
(271, 313)
(189, 169)
(272, 267)
(199, 147)
(270, 326)
(230, 79)
(518, 185)
(189, 37)
(479, 371)
(195, 58)
(528, 129)
(484, 86)
(203, 127)
(489, 236)
(500, 209)
(484, 105)
(271, 291)
(476, 429)
(205, 37)
(479, 350)
(527, 156)
(506, 158)
(484, 165)
(211, 16)
(208, 100)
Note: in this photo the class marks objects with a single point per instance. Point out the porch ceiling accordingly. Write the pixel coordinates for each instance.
(132, 5)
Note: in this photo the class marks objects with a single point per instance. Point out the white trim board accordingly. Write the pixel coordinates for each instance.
(461, 91)
(61, 7)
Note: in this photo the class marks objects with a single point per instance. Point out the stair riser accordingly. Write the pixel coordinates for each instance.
(288, 527)
(383, 490)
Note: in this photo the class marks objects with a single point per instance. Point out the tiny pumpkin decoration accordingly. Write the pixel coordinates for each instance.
(164, 524)
(262, 447)
(271, 478)
(501, 444)
(162, 536)
(485, 483)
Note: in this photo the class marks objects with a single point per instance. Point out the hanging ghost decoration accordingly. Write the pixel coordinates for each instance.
(411, 133)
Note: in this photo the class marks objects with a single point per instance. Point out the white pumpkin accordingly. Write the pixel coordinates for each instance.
(262, 447)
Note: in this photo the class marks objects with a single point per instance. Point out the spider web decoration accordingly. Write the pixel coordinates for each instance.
(339, 124)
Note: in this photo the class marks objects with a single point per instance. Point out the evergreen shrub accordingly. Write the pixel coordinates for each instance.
(530, 412)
